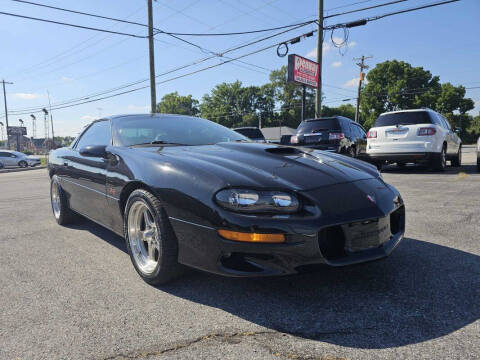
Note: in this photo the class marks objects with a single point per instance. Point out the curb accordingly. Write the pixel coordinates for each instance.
(21, 169)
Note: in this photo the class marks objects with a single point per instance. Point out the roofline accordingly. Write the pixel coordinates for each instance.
(407, 110)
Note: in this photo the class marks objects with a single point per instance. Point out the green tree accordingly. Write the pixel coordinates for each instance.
(232, 104)
(347, 110)
(397, 85)
(173, 103)
(289, 98)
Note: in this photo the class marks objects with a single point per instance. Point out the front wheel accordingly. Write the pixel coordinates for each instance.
(61, 210)
(150, 240)
(457, 160)
(23, 164)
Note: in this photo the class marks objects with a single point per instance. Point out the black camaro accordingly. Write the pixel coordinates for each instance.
(186, 191)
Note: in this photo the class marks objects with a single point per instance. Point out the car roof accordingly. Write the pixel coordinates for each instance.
(406, 111)
(121, 116)
(336, 117)
(245, 127)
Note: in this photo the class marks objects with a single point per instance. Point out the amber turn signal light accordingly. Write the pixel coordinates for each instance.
(251, 237)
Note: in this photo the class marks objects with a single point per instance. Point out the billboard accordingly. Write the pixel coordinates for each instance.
(17, 130)
(303, 71)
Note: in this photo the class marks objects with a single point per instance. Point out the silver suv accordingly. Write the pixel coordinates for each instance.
(15, 158)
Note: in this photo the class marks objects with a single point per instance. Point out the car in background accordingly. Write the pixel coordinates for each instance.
(251, 132)
(478, 154)
(335, 134)
(16, 158)
(413, 136)
(1, 165)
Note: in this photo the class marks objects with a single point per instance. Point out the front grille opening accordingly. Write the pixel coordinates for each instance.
(331, 241)
(283, 150)
(240, 261)
(397, 220)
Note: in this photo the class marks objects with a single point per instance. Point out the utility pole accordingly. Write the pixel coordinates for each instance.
(318, 94)
(362, 66)
(34, 126)
(51, 120)
(153, 94)
(6, 111)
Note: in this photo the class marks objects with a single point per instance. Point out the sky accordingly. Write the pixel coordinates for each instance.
(49, 60)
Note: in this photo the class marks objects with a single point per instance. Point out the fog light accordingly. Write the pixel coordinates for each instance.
(251, 237)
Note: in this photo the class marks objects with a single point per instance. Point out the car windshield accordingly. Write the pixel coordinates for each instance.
(179, 130)
(403, 118)
(251, 133)
(313, 126)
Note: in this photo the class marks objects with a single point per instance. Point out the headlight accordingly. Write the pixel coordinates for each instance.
(252, 201)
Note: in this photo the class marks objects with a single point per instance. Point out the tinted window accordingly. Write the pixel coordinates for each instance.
(446, 122)
(403, 118)
(3, 154)
(251, 133)
(97, 134)
(361, 132)
(134, 130)
(313, 126)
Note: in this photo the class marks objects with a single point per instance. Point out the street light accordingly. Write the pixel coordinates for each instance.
(34, 126)
(21, 122)
(1, 129)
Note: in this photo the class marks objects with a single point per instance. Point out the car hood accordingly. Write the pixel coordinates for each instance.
(264, 165)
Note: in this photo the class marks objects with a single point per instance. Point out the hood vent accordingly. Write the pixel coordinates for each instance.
(284, 151)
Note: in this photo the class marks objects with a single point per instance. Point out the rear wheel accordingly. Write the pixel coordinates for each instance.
(440, 162)
(457, 160)
(478, 162)
(150, 240)
(23, 164)
(61, 211)
(351, 152)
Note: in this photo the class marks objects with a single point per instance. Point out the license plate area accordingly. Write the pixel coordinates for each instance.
(366, 234)
(313, 138)
(396, 133)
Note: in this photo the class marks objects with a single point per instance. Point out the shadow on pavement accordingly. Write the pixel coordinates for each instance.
(420, 169)
(422, 291)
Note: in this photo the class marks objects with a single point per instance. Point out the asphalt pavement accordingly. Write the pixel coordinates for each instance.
(72, 293)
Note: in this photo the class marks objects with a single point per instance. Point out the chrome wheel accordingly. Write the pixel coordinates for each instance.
(55, 198)
(143, 237)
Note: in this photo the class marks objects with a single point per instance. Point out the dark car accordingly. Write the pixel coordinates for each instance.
(186, 191)
(336, 134)
(253, 133)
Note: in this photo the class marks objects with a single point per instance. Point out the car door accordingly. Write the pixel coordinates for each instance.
(361, 141)
(11, 159)
(4, 158)
(453, 139)
(85, 176)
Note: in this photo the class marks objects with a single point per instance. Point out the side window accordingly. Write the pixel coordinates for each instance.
(361, 132)
(446, 123)
(2, 154)
(436, 119)
(97, 134)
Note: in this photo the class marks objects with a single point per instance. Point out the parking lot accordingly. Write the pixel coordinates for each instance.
(72, 293)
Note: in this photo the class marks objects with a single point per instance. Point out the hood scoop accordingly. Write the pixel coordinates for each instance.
(284, 151)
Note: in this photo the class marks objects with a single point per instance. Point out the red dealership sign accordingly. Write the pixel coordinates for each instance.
(303, 71)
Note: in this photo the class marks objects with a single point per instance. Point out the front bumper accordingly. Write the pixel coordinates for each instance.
(348, 232)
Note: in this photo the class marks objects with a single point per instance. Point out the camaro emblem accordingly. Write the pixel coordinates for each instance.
(372, 198)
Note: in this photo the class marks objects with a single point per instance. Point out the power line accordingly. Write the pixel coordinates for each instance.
(366, 8)
(73, 25)
(364, 21)
(158, 30)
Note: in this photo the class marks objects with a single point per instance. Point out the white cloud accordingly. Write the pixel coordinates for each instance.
(337, 64)
(66, 79)
(87, 117)
(352, 83)
(351, 44)
(313, 53)
(27, 96)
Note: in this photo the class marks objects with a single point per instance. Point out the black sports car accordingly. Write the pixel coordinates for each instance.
(184, 190)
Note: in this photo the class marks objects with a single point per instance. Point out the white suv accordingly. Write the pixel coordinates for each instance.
(413, 136)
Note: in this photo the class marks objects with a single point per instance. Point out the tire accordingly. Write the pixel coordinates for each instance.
(440, 163)
(60, 208)
(478, 162)
(150, 239)
(23, 164)
(457, 160)
(351, 152)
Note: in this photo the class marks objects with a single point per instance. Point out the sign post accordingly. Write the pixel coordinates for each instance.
(304, 72)
(18, 131)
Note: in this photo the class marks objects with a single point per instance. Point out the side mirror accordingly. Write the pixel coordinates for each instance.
(457, 130)
(98, 151)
